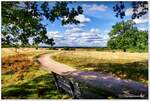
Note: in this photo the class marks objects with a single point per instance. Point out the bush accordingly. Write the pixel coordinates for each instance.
(66, 48)
(98, 49)
(15, 63)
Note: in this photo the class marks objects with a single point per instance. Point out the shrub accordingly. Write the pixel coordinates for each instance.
(15, 63)
(66, 48)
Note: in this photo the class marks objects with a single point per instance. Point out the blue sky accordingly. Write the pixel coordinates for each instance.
(96, 22)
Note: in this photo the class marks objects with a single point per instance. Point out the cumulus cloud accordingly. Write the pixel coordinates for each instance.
(95, 30)
(142, 19)
(74, 30)
(82, 18)
(92, 37)
(79, 37)
(138, 21)
(98, 7)
(53, 34)
(95, 7)
(74, 25)
(129, 11)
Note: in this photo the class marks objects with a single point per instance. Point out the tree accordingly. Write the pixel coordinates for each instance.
(119, 9)
(132, 37)
(51, 42)
(125, 36)
(23, 20)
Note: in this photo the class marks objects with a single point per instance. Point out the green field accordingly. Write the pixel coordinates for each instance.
(124, 65)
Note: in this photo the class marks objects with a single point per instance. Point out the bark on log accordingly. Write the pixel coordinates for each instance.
(109, 84)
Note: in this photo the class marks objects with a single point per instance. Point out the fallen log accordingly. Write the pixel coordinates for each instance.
(109, 85)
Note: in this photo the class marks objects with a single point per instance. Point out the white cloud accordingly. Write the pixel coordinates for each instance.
(74, 30)
(95, 7)
(82, 18)
(54, 34)
(140, 20)
(142, 28)
(129, 11)
(79, 37)
(92, 37)
(98, 8)
(74, 25)
(95, 30)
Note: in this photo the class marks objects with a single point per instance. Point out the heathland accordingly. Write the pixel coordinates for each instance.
(23, 77)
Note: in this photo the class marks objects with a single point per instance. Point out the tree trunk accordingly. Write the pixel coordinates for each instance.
(124, 50)
(16, 50)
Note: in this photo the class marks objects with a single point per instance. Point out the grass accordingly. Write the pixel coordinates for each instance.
(23, 78)
(124, 65)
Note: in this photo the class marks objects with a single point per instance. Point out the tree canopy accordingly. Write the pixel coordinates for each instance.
(131, 38)
(22, 21)
(140, 8)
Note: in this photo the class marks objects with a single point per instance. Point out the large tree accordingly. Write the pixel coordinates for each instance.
(22, 21)
(125, 36)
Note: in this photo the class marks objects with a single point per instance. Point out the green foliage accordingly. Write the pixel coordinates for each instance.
(22, 21)
(66, 48)
(103, 49)
(125, 36)
(51, 41)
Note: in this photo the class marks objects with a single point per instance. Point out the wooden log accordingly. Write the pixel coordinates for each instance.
(110, 84)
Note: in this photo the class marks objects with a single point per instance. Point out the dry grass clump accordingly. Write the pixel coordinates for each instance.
(15, 63)
(27, 51)
(110, 56)
(22, 77)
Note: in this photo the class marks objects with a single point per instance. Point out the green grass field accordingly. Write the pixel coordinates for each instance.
(23, 78)
(124, 65)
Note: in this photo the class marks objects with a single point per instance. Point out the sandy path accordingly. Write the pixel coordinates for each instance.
(54, 66)
(108, 83)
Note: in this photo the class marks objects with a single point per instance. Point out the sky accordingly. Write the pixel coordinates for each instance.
(95, 24)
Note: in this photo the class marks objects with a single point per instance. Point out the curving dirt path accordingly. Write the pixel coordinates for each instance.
(104, 82)
(54, 66)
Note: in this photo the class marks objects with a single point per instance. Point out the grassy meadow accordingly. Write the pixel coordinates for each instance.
(124, 65)
(23, 78)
